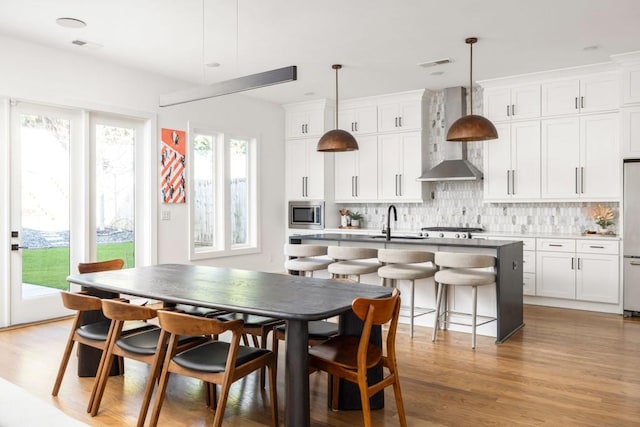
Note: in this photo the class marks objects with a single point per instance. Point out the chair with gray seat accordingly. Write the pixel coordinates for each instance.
(462, 269)
(305, 259)
(409, 265)
(352, 261)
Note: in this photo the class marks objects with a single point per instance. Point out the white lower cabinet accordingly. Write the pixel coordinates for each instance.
(584, 270)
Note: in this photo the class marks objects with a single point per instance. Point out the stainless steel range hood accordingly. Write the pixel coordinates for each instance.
(456, 167)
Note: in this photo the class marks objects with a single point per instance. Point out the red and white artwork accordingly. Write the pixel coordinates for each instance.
(172, 160)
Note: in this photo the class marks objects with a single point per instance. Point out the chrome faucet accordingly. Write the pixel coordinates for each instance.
(395, 218)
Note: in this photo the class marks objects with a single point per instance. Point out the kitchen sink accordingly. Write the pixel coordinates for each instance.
(401, 237)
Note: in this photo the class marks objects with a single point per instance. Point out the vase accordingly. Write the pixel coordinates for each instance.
(355, 222)
(603, 230)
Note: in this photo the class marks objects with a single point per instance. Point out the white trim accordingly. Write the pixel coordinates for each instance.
(5, 214)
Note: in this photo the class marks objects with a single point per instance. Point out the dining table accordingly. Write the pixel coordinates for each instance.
(295, 299)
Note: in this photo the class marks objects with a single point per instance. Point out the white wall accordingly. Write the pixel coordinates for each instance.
(46, 75)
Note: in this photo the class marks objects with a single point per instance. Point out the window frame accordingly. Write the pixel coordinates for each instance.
(222, 246)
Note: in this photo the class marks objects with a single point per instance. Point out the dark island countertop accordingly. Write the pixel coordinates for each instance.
(409, 240)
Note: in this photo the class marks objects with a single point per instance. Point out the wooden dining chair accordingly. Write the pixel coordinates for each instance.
(258, 327)
(214, 362)
(94, 267)
(349, 357)
(93, 334)
(142, 347)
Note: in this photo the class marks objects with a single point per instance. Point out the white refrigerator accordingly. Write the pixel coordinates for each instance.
(631, 236)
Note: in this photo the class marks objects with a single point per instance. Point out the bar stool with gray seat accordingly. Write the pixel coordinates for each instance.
(352, 261)
(411, 265)
(462, 269)
(306, 258)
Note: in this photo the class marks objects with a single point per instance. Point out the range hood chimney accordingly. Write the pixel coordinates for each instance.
(455, 167)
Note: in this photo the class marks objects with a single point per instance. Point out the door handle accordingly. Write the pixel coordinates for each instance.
(576, 103)
(357, 189)
(15, 247)
(396, 184)
(582, 102)
(573, 261)
(513, 182)
(400, 180)
(508, 112)
(356, 129)
(513, 109)
(508, 182)
(579, 264)
(400, 121)
(577, 192)
(582, 180)
(396, 122)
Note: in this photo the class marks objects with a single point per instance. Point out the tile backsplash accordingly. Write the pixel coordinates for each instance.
(459, 204)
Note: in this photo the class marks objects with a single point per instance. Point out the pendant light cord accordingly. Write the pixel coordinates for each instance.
(471, 78)
(337, 97)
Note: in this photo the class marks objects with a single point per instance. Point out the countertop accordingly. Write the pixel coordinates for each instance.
(362, 238)
(482, 234)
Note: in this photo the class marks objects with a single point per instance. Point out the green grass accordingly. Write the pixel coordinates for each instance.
(50, 266)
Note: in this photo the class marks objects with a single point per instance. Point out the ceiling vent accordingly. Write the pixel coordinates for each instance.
(87, 44)
(435, 63)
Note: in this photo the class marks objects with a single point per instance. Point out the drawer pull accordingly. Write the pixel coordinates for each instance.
(555, 245)
(634, 263)
(596, 247)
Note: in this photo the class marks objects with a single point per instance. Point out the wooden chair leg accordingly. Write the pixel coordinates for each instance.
(160, 394)
(273, 392)
(335, 382)
(65, 360)
(222, 400)
(413, 295)
(399, 404)
(364, 399)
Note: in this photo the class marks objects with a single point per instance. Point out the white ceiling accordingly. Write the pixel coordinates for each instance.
(379, 42)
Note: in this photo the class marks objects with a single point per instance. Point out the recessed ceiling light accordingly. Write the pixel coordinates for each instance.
(592, 47)
(212, 64)
(437, 73)
(434, 63)
(309, 93)
(71, 23)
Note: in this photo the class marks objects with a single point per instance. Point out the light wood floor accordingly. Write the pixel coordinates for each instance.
(565, 368)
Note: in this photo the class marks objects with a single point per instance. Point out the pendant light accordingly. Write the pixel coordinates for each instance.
(471, 127)
(337, 140)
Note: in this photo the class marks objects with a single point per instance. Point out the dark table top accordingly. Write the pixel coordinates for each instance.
(362, 238)
(267, 294)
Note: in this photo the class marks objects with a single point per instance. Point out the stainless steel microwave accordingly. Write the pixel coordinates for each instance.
(306, 214)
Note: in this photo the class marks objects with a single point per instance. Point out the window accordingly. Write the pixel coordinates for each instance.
(223, 196)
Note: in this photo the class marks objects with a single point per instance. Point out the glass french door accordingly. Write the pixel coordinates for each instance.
(41, 147)
(73, 199)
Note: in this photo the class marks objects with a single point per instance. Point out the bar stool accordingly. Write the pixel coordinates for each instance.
(308, 258)
(462, 269)
(401, 264)
(352, 261)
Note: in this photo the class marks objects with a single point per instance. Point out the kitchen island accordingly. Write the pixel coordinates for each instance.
(509, 317)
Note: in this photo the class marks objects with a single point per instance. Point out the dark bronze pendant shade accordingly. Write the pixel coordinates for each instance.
(337, 140)
(471, 127)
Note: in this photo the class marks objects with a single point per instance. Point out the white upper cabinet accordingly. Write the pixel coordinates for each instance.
(308, 119)
(512, 103)
(595, 93)
(580, 158)
(401, 112)
(356, 172)
(512, 162)
(358, 119)
(630, 137)
(305, 170)
(398, 167)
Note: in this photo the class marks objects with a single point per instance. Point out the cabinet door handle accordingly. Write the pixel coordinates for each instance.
(582, 180)
(508, 111)
(582, 102)
(396, 122)
(303, 186)
(306, 186)
(579, 264)
(576, 103)
(508, 182)
(573, 263)
(400, 184)
(352, 192)
(357, 189)
(577, 192)
(356, 127)
(596, 247)
(513, 182)
(400, 121)
(634, 263)
(555, 245)
(513, 109)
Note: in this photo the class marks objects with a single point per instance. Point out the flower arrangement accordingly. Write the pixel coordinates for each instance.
(602, 215)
